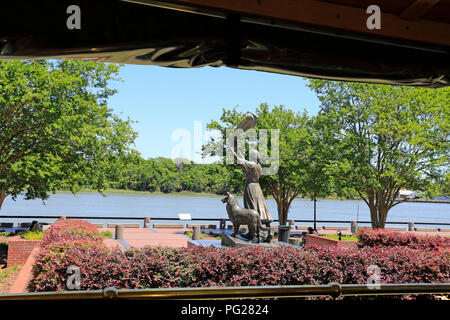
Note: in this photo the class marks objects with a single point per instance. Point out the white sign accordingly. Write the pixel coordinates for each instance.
(184, 216)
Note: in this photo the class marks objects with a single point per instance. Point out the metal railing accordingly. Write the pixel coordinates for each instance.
(333, 290)
(212, 219)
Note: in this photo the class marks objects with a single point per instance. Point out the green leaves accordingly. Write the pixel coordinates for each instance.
(56, 131)
(388, 138)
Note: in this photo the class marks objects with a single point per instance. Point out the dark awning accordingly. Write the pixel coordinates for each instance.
(186, 34)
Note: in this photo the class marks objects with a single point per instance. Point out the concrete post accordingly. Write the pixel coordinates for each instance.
(147, 222)
(410, 226)
(119, 232)
(291, 224)
(353, 227)
(196, 233)
(294, 241)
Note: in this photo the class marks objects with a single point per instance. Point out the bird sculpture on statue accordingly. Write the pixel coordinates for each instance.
(248, 123)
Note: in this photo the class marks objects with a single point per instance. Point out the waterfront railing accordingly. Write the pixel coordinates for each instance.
(222, 221)
(333, 290)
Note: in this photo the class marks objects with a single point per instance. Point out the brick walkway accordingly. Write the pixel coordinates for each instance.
(139, 237)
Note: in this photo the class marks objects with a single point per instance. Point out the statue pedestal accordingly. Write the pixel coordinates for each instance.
(229, 241)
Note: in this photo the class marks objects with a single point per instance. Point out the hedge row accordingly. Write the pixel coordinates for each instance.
(386, 238)
(72, 242)
(152, 267)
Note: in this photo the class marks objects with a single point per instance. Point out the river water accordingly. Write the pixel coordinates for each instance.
(142, 205)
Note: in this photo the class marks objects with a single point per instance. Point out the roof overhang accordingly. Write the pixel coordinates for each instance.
(324, 39)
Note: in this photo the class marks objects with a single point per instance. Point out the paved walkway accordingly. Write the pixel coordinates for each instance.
(175, 238)
(140, 237)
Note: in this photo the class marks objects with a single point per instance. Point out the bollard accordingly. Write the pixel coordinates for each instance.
(147, 222)
(222, 224)
(291, 224)
(196, 233)
(119, 232)
(294, 241)
(353, 227)
(283, 233)
(410, 226)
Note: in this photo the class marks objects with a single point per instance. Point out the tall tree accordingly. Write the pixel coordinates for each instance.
(56, 131)
(315, 152)
(390, 138)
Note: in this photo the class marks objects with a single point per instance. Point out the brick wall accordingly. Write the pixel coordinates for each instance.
(312, 239)
(19, 251)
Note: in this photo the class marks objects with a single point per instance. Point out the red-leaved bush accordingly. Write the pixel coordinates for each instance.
(386, 238)
(209, 266)
(72, 242)
(70, 229)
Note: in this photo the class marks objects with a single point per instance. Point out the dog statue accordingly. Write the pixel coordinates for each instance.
(240, 216)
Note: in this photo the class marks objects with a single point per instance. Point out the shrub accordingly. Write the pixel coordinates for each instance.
(209, 266)
(70, 229)
(72, 242)
(386, 238)
(101, 267)
(49, 271)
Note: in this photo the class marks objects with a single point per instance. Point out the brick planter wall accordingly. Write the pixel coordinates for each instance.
(312, 239)
(20, 250)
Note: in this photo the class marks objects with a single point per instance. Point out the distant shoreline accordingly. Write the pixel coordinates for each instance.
(206, 194)
(187, 194)
(157, 193)
(428, 201)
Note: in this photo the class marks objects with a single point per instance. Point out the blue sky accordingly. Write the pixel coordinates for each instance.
(165, 99)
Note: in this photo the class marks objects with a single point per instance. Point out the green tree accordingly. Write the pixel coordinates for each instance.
(285, 185)
(315, 150)
(445, 185)
(56, 131)
(389, 138)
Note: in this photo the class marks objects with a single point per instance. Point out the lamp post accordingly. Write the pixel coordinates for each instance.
(315, 200)
(339, 234)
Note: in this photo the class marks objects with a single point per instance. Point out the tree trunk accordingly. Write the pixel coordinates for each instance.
(2, 198)
(283, 209)
(374, 216)
(382, 212)
(378, 215)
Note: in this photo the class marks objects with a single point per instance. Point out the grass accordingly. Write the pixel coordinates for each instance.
(343, 237)
(32, 235)
(107, 234)
(5, 234)
(203, 235)
(4, 273)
